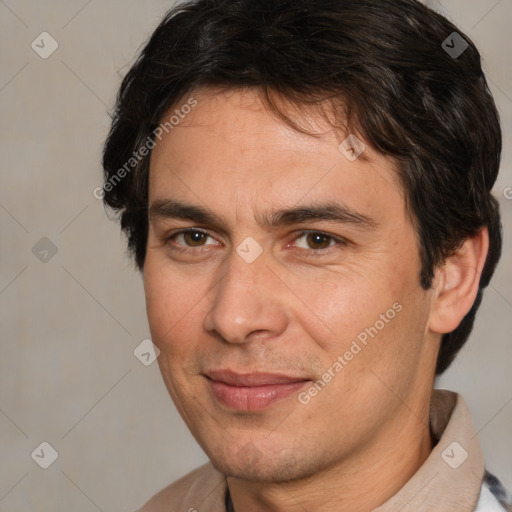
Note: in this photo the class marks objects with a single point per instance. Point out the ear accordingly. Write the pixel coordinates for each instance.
(456, 283)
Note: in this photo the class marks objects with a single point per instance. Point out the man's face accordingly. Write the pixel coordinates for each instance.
(251, 307)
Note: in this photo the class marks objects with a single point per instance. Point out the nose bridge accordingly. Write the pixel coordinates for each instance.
(245, 300)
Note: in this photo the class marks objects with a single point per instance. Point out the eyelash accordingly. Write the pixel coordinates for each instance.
(312, 252)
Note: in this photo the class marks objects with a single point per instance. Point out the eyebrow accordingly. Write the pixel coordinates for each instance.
(315, 212)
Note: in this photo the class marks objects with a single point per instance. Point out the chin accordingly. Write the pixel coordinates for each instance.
(249, 463)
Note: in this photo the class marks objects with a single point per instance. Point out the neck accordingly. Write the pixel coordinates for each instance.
(362, 482)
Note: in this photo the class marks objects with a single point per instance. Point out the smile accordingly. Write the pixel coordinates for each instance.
(252, 391)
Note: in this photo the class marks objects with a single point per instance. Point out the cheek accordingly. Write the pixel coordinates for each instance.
(172, 307)
(374, 319)
(338, 306)
(159, 304)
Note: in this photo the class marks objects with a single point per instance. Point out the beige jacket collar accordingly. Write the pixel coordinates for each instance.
(450, 479)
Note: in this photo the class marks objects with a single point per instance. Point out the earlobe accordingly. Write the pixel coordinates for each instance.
(456, 283)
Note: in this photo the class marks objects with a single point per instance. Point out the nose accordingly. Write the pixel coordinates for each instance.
(247, 302)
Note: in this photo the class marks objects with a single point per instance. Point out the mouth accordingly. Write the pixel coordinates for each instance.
(252, 391)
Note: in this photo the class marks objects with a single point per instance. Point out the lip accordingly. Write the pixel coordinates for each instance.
(253, 391)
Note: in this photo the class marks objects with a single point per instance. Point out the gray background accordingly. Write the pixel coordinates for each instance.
(68, 374)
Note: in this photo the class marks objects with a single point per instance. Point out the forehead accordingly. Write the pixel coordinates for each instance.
(230, 143)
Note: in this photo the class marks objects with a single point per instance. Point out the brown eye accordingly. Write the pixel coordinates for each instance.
(189, 238)
(314, 240)
(194, 238)
(318, 240)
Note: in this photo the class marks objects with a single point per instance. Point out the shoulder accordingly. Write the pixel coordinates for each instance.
(201, 489)
(493, 496)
